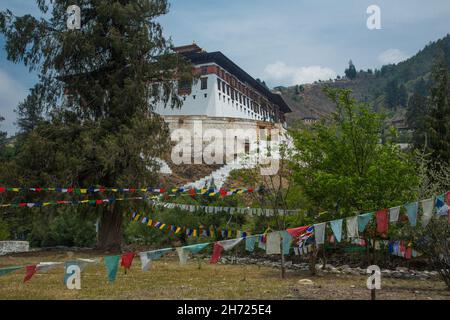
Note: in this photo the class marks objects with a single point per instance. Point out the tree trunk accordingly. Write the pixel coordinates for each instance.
(110, 231)
(312, 261)
(324, 257)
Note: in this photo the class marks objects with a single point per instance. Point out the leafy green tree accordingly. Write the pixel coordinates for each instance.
(438, 120)
(100, 128)
(343, 168)
(351, 71)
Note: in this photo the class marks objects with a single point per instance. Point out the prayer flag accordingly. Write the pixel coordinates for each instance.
(411, 210)
(336, 226)
(382, 222)
(363, 221)
(112, 264)
(217, 252)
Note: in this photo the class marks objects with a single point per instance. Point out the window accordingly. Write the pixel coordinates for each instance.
(224, 86)
(204, 83)
(218, 84)
(204, 70)
(228, 89)
(184, 87)
(206, 95)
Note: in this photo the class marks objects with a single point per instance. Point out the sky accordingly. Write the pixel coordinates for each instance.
(284, 42)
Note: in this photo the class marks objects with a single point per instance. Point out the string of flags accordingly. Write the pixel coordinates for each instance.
(67, 202)
(199, 232)
(171, 191)
(229, 210)
(278, 242)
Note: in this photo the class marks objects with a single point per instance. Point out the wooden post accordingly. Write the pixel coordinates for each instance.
(373, 294)
(283, 270)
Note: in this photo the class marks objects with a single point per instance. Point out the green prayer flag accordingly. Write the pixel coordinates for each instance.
(4, 271)
(112, 264)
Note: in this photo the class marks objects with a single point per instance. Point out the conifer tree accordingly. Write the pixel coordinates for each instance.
(96, 92)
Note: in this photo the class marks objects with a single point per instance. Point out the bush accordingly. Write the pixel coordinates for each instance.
(67, 228)
(4, 231)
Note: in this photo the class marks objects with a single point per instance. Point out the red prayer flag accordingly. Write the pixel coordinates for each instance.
(408, 253)
(98, 201)
(30, 271)
(2, 190)
(223, 193)
(382, 222)
(296, 232)
(127, 260)
(217, 252)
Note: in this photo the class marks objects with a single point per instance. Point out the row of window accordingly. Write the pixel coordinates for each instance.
(237, 96)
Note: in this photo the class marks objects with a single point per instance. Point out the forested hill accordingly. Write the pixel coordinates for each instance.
(388, 88)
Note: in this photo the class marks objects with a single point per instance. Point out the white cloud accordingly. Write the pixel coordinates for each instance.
(392, 56)
(11, 93)
(291, 75)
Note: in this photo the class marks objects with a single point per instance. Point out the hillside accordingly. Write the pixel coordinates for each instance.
(371, 86)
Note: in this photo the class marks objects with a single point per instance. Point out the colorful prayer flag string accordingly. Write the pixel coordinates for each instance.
(190, 232)
(171, 191)
(67, 202)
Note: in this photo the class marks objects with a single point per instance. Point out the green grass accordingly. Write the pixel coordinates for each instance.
(168, 280)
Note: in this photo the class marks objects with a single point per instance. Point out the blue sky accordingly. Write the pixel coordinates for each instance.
(284, 42)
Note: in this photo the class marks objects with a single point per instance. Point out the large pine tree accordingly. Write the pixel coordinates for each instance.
(438, 120)
(417, 112)
(95, 96)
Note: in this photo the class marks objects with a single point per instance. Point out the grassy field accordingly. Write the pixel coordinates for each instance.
(168, 280)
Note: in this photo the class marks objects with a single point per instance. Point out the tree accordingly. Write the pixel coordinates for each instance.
(30, 111)
(351, 71)
(438, 119)
(342, 167)
(94, 89)
(416, 114)
(402, 98)
(392, 94)
(2, 137)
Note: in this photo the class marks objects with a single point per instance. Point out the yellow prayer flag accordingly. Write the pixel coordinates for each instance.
(178, 230)
(150, 223)
(162, 227)
(137, 217)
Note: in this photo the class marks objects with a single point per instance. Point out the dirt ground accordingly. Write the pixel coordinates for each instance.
(168, 280)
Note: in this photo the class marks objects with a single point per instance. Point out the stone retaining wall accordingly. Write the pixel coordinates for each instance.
(13, 247)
